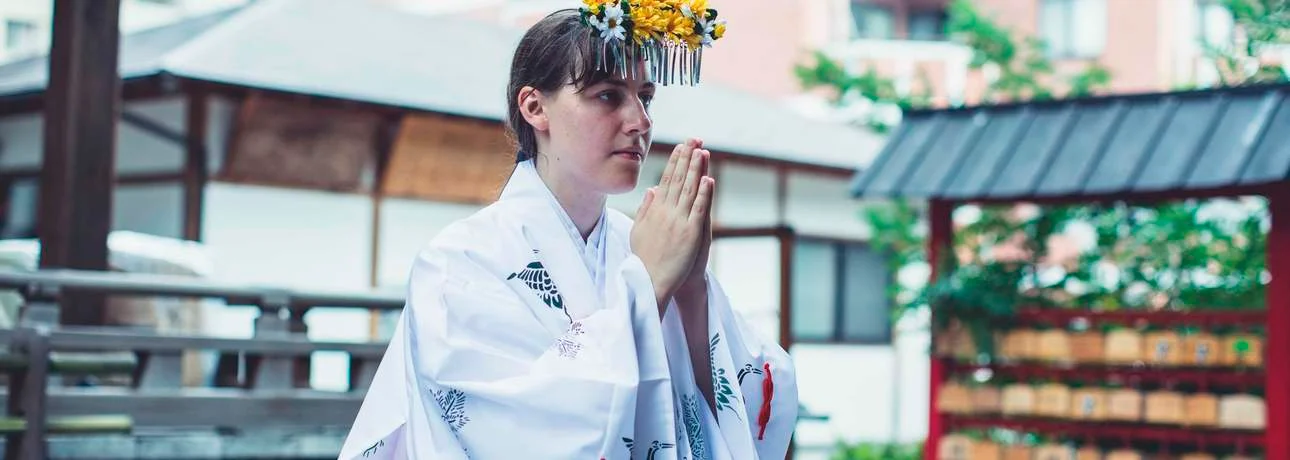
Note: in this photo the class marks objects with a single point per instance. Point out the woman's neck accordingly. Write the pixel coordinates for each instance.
(583, 205)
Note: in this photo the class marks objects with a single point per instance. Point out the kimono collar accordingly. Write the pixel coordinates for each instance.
(526, 184)
(576, 266)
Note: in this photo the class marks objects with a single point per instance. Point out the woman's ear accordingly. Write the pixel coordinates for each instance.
(532, 109)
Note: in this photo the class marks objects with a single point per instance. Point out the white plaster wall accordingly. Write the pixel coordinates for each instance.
(406, 227)
(294, 239)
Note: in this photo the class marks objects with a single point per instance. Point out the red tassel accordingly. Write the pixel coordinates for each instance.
(768, 393)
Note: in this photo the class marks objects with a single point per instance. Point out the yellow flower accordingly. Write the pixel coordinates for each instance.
(594, 6)
(700, 8)
(681, 27)
(719, 30)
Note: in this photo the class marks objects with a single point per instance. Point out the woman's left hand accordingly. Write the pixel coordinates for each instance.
(695, 284)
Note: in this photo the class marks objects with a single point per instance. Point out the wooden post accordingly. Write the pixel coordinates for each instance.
(1277, 434)
(81, 111)
(939, 244)
(787, 242)
(195, 164)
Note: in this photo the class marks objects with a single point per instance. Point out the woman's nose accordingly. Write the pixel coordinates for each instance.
(637, 119)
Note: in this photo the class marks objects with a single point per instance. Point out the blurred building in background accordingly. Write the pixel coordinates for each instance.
(343, 134)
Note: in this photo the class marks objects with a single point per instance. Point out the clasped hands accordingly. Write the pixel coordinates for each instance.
(673, 231)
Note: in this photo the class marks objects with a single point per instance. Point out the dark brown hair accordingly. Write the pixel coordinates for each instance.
(556, 51)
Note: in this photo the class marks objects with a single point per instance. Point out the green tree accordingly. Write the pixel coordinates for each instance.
(1024, 70)
(1262, 24)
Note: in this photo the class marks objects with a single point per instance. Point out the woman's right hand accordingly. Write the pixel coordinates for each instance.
(670, 221)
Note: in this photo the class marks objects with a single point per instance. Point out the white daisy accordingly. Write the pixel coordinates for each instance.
(613, 23)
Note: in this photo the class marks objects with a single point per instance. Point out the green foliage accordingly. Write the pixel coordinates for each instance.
(1174, 255)
(1263, 23)
(878, 451)
(1025, 71)
(829, 73)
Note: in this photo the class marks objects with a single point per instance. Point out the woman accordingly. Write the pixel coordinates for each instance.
(547, 326)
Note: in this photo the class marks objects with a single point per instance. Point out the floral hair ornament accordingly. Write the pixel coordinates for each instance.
(668, 35)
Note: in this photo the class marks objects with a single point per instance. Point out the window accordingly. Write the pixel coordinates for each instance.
(19, 34)
(871, 21)
(839, 293)
(1073, 28)
(1213, 24)
(927, 25)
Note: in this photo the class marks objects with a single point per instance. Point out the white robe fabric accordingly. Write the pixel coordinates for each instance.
(519, 342)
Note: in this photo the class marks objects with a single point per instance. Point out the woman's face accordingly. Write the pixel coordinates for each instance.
(599, 137)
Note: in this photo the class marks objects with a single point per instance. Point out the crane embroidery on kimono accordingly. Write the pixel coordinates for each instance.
(693, 428)
(538, 279)
(567, 345)
(748, 369)
(453, 404)
(654, 447)
(720, 384)
(370, 451)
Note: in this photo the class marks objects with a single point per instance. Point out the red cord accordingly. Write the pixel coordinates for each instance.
(768, 393)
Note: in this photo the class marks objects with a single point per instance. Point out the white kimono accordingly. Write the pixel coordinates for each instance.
(520, 340)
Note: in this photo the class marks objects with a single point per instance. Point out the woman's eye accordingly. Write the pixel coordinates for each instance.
(611, 97)
(646, 99)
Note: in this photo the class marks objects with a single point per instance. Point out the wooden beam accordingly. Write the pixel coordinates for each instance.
(781, 195)
(385, 140)
(196, 168)
(134, 178)
(939, 245)
(1277, 434)
(83, 102)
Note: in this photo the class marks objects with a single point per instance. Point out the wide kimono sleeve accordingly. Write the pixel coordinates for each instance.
(763, 373)
(476, 370)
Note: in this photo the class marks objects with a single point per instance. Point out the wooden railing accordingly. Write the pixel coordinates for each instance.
(259, 382)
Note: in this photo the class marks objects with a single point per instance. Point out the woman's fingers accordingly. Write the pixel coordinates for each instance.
(666, 178)
(684, 154)
(703, 201)
(644, 207)
(693, 175)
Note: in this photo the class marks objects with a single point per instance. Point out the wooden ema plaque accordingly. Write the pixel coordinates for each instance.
(1123, 346)
(955, 447)
(1018, 345)
(1201, 350)
(1087, 347)
(955, 398)
(1088, 453)
(1018, 400)
(1053, 400)
(1123, 454)
(1162, 348)
(1054, 345)
(987, 400)
(1017, 452)
(1054, 452)
(954, 341)
(1243, 350)
(1165, 407)
(1124, 405)
(986, 450)
(1088, 404)
(1242, 412)
(1201, 410)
